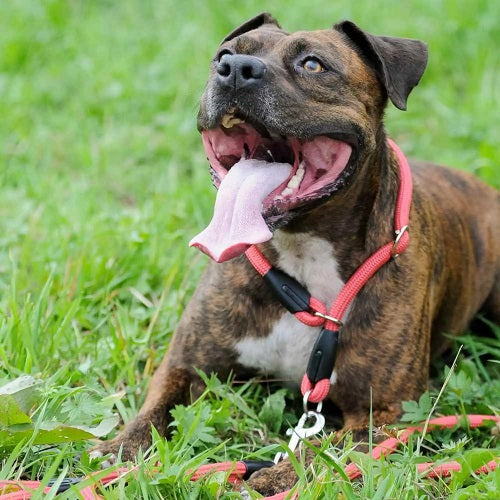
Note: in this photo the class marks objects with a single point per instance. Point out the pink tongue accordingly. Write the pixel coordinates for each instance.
(237, 222)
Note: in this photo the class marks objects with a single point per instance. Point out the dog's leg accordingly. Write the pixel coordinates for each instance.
(217, 316)
(492, 305)
(175, 382)
(171, 385)
(278, 478)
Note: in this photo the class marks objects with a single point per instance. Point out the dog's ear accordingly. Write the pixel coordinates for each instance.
(252, 24)
(399, 62)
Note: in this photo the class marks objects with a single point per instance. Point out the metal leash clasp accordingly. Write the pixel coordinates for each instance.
(301, 431)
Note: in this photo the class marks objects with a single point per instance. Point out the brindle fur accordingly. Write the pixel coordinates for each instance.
(448, 273)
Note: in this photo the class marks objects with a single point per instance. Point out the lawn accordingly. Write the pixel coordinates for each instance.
(103, 181)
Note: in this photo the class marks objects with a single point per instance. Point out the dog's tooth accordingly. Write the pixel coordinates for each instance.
(286, 192)
(229, 120)
(226, 120)
(295, 181)
(270, 155)
(235, 120)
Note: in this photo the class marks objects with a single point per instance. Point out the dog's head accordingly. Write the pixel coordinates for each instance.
(290, 117)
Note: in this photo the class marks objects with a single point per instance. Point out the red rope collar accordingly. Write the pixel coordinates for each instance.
(314, 312)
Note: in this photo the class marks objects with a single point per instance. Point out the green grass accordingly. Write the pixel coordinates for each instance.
(103, 181)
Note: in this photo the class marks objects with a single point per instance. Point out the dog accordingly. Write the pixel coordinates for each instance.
(293, 128)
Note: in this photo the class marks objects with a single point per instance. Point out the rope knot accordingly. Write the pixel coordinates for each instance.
(318, 392)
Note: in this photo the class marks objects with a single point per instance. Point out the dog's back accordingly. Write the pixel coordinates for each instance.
(466, 213)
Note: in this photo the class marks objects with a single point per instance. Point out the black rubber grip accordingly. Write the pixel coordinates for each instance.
(255, 465)
(65, 484)
(294, 297)
(322, 358)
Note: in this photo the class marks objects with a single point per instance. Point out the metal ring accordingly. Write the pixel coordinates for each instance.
(329, 318)
(305, 400)
(399, 235)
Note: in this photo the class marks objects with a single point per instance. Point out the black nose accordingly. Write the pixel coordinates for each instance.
(238, 71)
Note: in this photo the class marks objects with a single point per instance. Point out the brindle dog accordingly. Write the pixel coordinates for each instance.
(275, 100)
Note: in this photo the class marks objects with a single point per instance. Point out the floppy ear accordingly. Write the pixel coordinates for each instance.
(252, 24)
(399, 62)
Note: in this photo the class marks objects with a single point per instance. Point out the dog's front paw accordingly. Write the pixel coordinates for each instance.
(272, 480)
(101, 450)
(136, 436)
(120, 447)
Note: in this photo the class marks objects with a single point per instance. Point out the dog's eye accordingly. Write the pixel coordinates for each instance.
(312, 65)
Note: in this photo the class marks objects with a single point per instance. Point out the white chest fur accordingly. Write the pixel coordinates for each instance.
(285, 351)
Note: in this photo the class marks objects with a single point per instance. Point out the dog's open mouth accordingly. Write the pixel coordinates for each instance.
(260, 178)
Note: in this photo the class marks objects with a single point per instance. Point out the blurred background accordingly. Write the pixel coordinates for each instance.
(103, 179)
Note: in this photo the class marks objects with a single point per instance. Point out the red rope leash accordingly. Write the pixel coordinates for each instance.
(315, 312)
(241, 470)
(428, 469)
(23, 490)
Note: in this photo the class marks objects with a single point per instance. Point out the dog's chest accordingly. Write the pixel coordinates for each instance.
(284, 352)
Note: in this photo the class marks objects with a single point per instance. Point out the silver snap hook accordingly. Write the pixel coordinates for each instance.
(302, 431)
